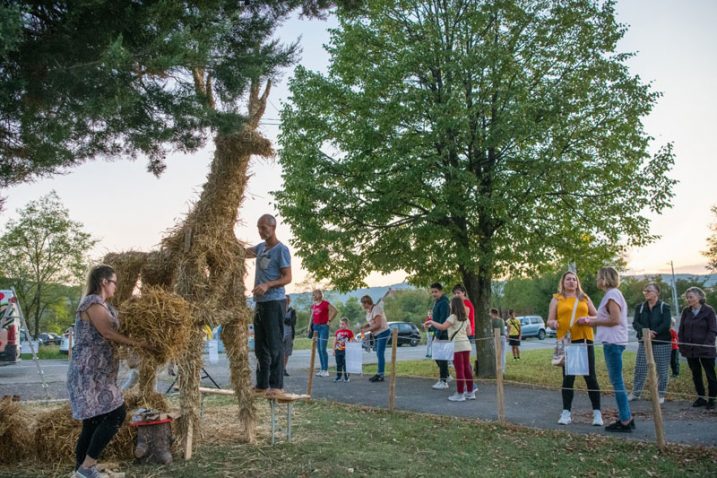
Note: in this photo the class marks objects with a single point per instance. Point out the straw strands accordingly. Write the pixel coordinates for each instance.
(127, 266)
(161, 319)
(15, 432)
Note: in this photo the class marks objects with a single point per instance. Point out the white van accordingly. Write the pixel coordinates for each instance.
(9, 328)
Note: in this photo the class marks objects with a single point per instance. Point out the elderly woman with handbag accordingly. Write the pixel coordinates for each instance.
(569, 304)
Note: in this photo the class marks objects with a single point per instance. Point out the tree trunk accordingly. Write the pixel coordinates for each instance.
(479, 291)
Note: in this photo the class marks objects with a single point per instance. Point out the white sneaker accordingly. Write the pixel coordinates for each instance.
(471, 395)
(661, 400)
(565, 418)
(631, 397)
(475, 388)
(440, 385)
(457, 397)
(597, 418)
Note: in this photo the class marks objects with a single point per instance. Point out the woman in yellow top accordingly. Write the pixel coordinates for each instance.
(559, 315)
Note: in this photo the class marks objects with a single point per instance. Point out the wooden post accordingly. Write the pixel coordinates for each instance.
(652, 373)
(188, 441)
(312, 361)
(392, 384)
(499, 375)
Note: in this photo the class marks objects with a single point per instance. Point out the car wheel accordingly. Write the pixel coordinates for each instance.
(414, 342)
(541, 334)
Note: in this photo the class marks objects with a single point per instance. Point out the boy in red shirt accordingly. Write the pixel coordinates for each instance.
(342, 336)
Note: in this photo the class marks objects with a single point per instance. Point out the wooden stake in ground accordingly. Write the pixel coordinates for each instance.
(652, 383)
(188, 441)
(392, 384)
(499, 376)
(310, 381)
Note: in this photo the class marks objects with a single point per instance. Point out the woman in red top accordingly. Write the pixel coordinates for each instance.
(322, 313)
(675, 358)
(460, 291)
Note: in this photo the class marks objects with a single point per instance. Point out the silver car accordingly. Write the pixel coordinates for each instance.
(532, 326)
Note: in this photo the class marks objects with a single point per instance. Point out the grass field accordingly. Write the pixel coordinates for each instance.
(339, 440)
(534, 369)
(47, 352)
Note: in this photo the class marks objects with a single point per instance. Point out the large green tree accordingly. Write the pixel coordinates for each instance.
(41, 249)
(81, 79)
(467, 140)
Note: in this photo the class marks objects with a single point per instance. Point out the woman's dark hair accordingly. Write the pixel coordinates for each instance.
(459, 288)
(458, 308)
(367, 300)
(96, 276)
(511, 313)
(494, 311)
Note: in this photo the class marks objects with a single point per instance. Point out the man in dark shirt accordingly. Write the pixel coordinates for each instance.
(441, 311)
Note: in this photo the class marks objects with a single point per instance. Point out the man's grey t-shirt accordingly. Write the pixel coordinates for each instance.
(269, 263)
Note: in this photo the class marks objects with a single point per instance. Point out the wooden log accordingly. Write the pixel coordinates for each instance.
(652, 383)
(392, 384)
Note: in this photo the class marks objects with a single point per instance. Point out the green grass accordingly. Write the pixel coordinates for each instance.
(534, 368)
(47, 352)
(340, 440)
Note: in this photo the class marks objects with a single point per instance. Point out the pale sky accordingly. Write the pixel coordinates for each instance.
(127, 208)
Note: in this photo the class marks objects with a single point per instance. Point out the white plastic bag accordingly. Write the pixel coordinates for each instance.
(576, 359)
(354, 357)
(442, 349)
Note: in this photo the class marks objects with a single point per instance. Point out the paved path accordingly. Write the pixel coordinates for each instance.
(524, 406)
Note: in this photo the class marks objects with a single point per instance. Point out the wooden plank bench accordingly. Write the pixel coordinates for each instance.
(287, 399)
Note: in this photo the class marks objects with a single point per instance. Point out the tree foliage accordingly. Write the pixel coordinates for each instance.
(81, 79)
(469, 139)
(711, 252)
(40, 251)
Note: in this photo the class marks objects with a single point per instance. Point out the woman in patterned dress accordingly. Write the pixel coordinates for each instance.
(95, 397)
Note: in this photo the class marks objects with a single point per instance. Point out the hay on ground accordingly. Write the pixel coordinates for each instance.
(15, 433)
(160, 318)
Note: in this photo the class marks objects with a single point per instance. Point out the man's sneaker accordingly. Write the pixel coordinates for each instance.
(337, 379)
(457, 397)
(83, 472)
(347, 380)
(471, 395)
(619, 427)
(565, 418)
(631, 397)
(440, 385)
(597, 418)
(376, 378)
(700, 402)
(661, 400)
(710, 404)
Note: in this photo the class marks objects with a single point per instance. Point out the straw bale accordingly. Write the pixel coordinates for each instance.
(158, 270)
(234, 335)
(190, 366)
(127, 266)
(56, 434)
(159, 318)
(15, 434)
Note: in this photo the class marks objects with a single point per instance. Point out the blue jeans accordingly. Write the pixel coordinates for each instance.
(381, 340)
(613, 360)
(322, 334)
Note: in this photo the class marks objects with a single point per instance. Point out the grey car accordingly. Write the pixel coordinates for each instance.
(532, 326)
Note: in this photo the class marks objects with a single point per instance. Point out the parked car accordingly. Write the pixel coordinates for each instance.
(408, 333)
(9, 328)
(532, 326)
(48, 338)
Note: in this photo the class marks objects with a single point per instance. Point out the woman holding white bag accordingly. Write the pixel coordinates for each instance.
(563, 317)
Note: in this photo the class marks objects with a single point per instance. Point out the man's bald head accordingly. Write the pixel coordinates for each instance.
(267, 227)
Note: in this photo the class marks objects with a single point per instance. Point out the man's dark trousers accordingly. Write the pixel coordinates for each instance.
(269, 343)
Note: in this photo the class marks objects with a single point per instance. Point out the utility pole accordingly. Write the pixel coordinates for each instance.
(674, 291)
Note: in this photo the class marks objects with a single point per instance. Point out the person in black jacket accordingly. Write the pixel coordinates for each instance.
(654, 315)
(441, 311)
(289, 332)
(698, 330)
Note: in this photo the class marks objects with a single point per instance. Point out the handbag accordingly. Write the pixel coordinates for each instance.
(445, 349)
(559, 353)
(576, 359)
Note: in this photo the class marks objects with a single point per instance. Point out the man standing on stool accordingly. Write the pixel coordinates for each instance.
(273, 272)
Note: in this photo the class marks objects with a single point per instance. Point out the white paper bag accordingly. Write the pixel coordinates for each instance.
(213, 351)
(576, 359)
(442, 349)
(354, 357)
